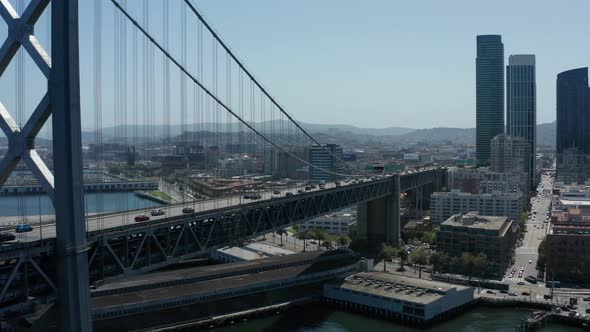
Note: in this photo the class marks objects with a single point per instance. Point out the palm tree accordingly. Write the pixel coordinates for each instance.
(281, 232)
(303, 236)
(403, 257)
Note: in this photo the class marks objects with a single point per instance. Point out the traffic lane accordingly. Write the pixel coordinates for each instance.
(96, 223)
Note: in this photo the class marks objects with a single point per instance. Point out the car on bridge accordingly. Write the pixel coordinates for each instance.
(6, 237)
(23, 228)
(157, 212)
(142, 217)
(288, 194)
(187, 210)
(276, 192)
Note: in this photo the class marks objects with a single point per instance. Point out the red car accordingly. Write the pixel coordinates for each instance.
(142, 217)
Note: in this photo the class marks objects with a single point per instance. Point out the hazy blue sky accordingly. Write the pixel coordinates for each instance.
(396, 63)
(370, 63)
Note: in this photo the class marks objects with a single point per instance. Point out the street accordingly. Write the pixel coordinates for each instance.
(526, 253)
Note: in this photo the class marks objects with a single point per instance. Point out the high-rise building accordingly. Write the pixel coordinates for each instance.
(521, 107)
(325, 158)
(508, 154)
(573, 126)
(489, 71)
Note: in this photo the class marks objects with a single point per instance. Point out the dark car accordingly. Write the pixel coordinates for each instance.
(503, 291)
(158, 212)
(490, 292)
(307, 188)
(142, 217)
(547, 297)
(255, 196)
(6, 237)
(525, 293)
(288, 194)
(23, 228)
(300, 191)
(586, 299)
(188, 210)
(276, 192)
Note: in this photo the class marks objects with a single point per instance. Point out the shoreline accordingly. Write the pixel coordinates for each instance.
(279, 308)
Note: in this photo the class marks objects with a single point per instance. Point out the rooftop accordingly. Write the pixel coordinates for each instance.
(473, 220)
(398, 287)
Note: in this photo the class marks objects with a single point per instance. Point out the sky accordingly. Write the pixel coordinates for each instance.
(371, 63)
(381, 63)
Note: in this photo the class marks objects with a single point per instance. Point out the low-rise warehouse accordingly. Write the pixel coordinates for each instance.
(409, 300)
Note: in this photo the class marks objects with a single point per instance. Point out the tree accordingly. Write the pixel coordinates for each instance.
(523, 217)
(320, 235)
(437, 260)
(480, 264)
(281, 232)
(468, 263)
(421, 257)
(542, 257)
(429, 237)
(387, 253)
(403, 257)
(327, 244)
(303, 236)
(343, 240)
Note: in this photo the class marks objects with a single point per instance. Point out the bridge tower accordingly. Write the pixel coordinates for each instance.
(62, 101)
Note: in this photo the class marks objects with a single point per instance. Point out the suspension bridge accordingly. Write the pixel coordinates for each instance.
(154, 92)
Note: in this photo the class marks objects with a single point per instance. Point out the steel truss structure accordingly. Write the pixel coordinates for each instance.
(62, 100)
(138, 248)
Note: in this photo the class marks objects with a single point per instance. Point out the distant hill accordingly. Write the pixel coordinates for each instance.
(343, 134)
(546, 134)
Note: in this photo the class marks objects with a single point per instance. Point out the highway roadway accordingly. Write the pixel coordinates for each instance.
(106, 221)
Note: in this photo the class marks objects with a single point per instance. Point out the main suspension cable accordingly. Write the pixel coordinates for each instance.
(211, 95)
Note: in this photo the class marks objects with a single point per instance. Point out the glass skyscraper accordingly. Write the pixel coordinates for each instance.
(573, 126)
(521, 107)
(489, 71)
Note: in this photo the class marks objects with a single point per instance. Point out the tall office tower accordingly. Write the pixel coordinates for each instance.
(573, 126)
(489, 71)
(325, 158)
(521, 107)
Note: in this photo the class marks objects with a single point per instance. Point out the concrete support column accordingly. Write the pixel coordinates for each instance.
(378, 221)
(394, 219)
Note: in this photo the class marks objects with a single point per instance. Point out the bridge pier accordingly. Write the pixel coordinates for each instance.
(378, 221)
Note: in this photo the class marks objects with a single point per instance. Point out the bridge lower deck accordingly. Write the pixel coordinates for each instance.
(215, 285)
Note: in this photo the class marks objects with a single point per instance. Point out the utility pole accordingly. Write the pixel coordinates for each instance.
(71, 248)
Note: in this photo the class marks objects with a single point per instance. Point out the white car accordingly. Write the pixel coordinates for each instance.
(530, 261)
